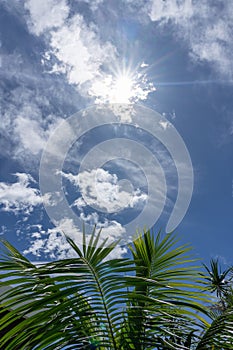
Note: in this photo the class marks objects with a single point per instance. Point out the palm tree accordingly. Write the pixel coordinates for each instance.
(153, 300)
(218, 281)
(220, 331)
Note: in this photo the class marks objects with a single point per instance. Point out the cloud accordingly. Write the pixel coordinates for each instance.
(171, 10)
(52, 243)
(33, 134)
(20, 196)
(79, 50)
(112, 229)
(31, 108)
(84, 57)
(205, 26)
(30, 134)
(74, 47)
(103, 191)
(24, 127)
(46, 14)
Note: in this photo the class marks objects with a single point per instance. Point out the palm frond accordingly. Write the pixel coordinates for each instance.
(88, 289)
(92, 302)
(170, 295)
(219, 334)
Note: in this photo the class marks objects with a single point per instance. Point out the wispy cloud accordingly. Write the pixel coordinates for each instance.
(205, 26)
(46, 14)
(24, 125)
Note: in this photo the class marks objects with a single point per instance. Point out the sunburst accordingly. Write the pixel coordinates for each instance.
(123, 85)
(123, 89)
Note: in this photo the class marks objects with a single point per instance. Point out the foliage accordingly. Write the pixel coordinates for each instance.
(220, 332)
(154, 300)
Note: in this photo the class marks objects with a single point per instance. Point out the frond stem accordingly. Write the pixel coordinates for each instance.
(104, 303)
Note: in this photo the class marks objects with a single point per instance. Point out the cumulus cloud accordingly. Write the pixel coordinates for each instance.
(81, 54)
(52, 242)
(46, 14)
(205, 26)
(112, 229)
(74, 45)
(103, 191)
(79, 51)
(20, 196)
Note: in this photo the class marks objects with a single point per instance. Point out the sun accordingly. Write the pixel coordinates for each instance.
(122, 85)
(123, 89)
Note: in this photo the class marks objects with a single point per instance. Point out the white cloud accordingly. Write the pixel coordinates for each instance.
(30, 134)
(74, 47)
(33, 134)
(112, 229)
(46, 14)
(30, 110)
(91, 218)
(171, 10)
(52, 243)
(103, 191)
(20, 196)
(205, 26)
(78, 48)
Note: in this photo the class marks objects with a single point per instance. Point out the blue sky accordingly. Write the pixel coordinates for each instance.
(63, 58)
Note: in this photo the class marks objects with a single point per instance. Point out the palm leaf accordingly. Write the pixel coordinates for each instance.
(171, 291)
(88, 288)
(92, 302)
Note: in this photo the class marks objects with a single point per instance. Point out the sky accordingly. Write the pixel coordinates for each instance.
(118, 114)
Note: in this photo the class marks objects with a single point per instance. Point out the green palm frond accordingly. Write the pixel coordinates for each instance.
(87, 288)
(172, 292)
(219, 334)
(153, 300)
(217, 280)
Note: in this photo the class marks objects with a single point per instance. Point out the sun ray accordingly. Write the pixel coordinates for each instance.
(123, 84)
